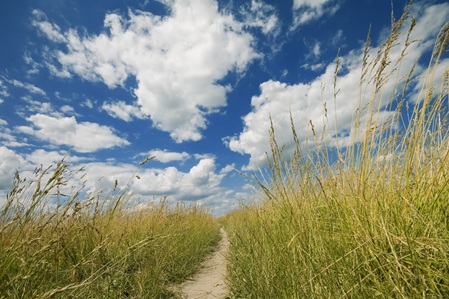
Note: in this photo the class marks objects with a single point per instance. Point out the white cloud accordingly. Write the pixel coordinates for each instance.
(3, 89)
(7, 137)
(306, 100)
(123, 111)
(338, 39)
(440, 76)
(204, 156)
(34, 106)
(82, 137)
(314, 67)
(87, 103)
(201, 185)
(47, 158)
(284, 73)
(58, 72)
(30, 87)
(228, 169)
(66, 109)
(9, 163)
(316, 49)
(305, 11)
(52, 31)
(261, 15)
(165, 156)
(177, 61)
(200, 182)
(33, 66)
(26, 165)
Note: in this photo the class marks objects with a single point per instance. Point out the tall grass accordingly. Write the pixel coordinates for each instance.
(94, 246)
(367, 220)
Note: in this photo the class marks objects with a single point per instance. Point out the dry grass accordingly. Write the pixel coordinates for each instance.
(92, 246)
(371, 223)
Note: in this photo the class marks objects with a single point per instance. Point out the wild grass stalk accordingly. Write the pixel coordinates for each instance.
(372, 222)
(83, 245)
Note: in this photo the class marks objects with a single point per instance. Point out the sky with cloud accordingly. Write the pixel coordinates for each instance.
(191, 82)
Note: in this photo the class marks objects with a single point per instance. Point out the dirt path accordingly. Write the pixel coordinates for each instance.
(209, 282)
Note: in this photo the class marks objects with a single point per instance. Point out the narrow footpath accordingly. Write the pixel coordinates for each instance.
(209, 282)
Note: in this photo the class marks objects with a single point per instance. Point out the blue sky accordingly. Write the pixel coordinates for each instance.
(191, 82)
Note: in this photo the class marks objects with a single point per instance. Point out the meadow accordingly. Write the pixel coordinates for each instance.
(94, 245)
(368, 218)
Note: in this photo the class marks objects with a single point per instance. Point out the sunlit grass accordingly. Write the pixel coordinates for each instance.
(365, 220)
(94, 245)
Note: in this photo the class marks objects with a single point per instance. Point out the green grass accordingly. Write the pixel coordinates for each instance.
(373, 223)
(95, 246)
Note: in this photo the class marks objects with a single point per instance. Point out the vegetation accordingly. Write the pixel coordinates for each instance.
(360, 219)
(366, 219)
(58, 246)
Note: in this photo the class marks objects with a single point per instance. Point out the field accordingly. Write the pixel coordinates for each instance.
(93, 245)
(361, 217)
(364, 219)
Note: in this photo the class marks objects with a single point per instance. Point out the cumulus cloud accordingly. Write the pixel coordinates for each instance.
(165, 156)
(308, 102)
(176, 60)
(305, 11)
(200, 182)
(9, 163)
(123, 111)
(47, 158)
(26, 164)
(82, 137)
(228, 169)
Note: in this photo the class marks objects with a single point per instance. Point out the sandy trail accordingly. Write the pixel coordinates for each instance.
(209, 282)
